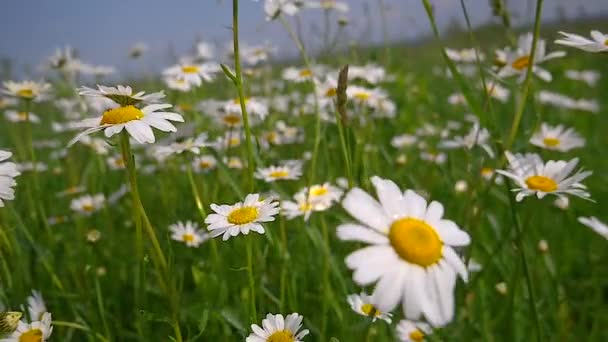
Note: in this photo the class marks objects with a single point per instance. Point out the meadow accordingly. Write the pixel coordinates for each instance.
(132, 234)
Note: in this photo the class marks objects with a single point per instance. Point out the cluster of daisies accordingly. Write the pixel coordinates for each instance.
(35, 325)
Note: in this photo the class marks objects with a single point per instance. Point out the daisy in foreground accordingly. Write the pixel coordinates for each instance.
(36, 331)
(595, 224)
(409, 331)
(598, 43)
(534, 177)
(411, 258)
(363, 305)
(241, 217)
(8, 172)
(275, 328)
(137, 122)
(188, 233)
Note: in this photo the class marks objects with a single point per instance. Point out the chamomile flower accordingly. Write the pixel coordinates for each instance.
(15, 116)
(123, 95)
(28, 90)
(411, 331)
(301, 206)
(364, 306)
(495, 90)
(88, 204)
(328, 5)
(464, 55)
(241, 217)
(274, 8)
(275, 328)
(298, 75)
(477, 136)
(596, 225)
(179, 84)
(280, 172)
(370, 73)
(253, 106)
(204, 163)
(534, 177)
(8, 172)
(36, 306)
(193, 73)
(517, 61)
(598, 43)
(411, 258)
(188, 233)
(36, 331)
(137, 122)
(322, 196)
(557, 138)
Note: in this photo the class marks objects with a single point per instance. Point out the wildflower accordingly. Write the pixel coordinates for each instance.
(204, 163)
(598, 44)
(502, 288)
(328, 5)
(557, 138)
(123, 95)
(517, 61)
(495, 90)
(38, 331)
(464, 55)
(179, 84)
(274, 173)
(543, 246)
(8, 172)
(241, 217)
(298, 75)
(596, 225)
(411, 259)
(193, 73)
(137, 122)
(562, 203)
(322, 196)
(274, 8)
(93, 235)
(27, 90)
(116, 162)
(15, 116)
(253, 106)
(36, 306)
(275, 328)
(88, 204)
(412, 331)
(370, 73)
(534, 177)
(188, 233)
(477, 136)
(363, 305)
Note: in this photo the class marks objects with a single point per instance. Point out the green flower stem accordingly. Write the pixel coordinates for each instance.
(139, 213)
(521, 105)
(252, 314)
(238, 82)
(197, 197)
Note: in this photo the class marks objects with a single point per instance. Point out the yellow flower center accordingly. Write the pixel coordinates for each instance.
(305, 207)
(88, 207)
(121, 115)
(34, 335)
(204, 164)
(331, 92)
(415, 241)
(305, 73)
(281, 336)
(541, 183)
(22, 115)
(487, 171)
(606, 42)
(185, 106)
(243, 215)
(279, 174)
(362, 96)
(521, 63)
(188, 237)
(190, 69)
(272, 137)
(232, 119)
(370, 310)
(26, 92)
(417, 336)
(551, 142)
(318, 191)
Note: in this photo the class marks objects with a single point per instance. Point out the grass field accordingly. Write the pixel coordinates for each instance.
(111, 271)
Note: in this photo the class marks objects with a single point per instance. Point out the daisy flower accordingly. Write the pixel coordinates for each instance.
(137, 122)
(36, 306)
(88, 204)
(597, 43)
(275, 328)
(204, 163)
(322, 196)
(534, 177)
(15, 116)
(517, 61)
(411, 331)
(595, 224)
(300, 207)
(363, 305)
(8, 172)
(252, 105)
(192, 73)
(179, 84)
(477, 136)
(241, 217)
(328, 5)
(557, 138)
(464, 55)
(411, 258)
(284, 172)
(297, 75)
(28, 90)
(123, 95)
(274, 8)
(370, 73)
(495, 90)
(37, 331)
(188, 233)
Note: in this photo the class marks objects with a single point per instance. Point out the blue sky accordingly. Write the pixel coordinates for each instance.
(103, 31)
